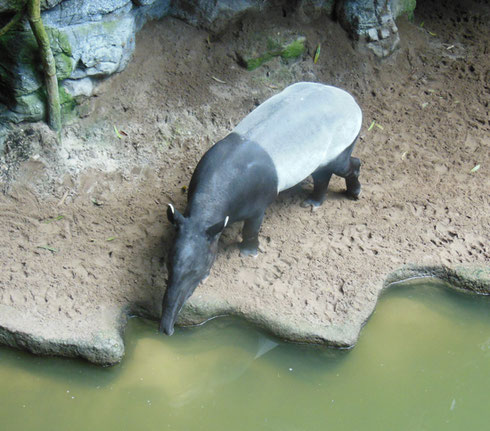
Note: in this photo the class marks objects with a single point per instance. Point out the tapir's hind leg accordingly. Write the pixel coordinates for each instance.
(321, 178)
(250, 236)
(348, 167)
(344, 166)
(352, 178)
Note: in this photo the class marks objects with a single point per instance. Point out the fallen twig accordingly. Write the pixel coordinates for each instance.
(117, 132)
(317, 53)
(62, 200)
(49, 220)
(218, 80)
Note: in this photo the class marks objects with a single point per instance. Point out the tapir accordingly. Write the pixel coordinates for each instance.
(307, 129)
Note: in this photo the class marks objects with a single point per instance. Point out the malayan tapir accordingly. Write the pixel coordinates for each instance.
(307, 129)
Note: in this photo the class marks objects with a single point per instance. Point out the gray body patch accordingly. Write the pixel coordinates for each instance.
(303, 128)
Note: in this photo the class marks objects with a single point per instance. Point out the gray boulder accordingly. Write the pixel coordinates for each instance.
(370, 21)
(101, 48)
(213, 14)
(73, 12)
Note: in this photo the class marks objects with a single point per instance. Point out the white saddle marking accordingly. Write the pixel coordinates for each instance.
(304, 127)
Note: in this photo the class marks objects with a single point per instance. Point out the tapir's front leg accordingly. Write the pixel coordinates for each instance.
(250, 236)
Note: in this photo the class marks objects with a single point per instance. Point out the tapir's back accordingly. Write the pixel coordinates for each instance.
(304, 127)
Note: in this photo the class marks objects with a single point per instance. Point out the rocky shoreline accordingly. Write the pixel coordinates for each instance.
(105, 346)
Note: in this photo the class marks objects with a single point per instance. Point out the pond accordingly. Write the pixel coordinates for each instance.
(422, 362)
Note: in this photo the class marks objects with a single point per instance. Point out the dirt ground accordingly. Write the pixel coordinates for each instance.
(83, 232)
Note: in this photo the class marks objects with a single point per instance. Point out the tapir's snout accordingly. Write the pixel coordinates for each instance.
(189, 262)
(167, 327)
(171, 308)
(175, 297)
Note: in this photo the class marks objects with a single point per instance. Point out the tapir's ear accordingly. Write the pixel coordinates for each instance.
(217, 228)
(174, 216)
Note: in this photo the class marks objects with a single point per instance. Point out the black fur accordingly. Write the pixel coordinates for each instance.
(235, 178)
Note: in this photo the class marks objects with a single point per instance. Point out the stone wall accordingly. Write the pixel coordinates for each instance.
(373, 22)
(92, 39)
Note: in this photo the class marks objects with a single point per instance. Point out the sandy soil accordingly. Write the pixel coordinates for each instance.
(83, 233)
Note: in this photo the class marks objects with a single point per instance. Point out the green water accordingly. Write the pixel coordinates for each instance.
(422, 363)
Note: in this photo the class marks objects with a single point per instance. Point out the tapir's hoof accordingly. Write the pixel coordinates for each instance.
(310, 202)
(247, 250)
(354, 194)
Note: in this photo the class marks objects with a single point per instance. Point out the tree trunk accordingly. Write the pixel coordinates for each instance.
(49, 66)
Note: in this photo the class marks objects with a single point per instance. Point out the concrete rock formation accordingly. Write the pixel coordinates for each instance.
(92, 39)
(371, 21)
(213, 15)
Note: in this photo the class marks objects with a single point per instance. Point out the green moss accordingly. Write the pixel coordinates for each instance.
(32, 107)
(294, 49)
(68, 104)
(253, 63)
(276, 49)
(65, 97)
(59, 39)
(61, 49)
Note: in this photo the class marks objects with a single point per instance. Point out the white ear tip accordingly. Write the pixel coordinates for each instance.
(172, 208)
(226, 221)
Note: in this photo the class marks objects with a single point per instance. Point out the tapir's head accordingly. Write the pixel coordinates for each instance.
(190, 260)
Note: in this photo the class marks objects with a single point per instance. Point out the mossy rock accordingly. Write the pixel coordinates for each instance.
(68, 104)
(294, 49)
(401, 7)
(32, 107)
(29, 107)
(20, 64)
(61, 48)
(264, 48)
